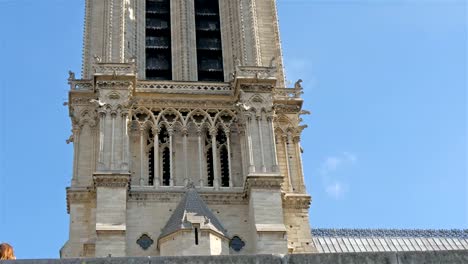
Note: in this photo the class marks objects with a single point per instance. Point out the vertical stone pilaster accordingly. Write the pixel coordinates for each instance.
(266, 214)
(183, 35)
(111, 211)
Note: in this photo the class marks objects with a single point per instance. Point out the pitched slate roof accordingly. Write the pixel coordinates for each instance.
(191, 203)
(378, 240)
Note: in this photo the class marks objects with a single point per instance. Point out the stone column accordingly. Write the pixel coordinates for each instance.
(125, 145)
(112, 154)
(200, 155)
(286, 156)
(156, 168)
(171, 160)
(243, 149)
(300, 176)
(249, 144)
(76, 150)
(274, 155)
(228, 144)
(102, 129)
(186, 166)
(142, 154)
(215, 158)
(292, 166)
(260, 136)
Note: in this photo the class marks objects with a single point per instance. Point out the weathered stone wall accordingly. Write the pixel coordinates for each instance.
(141, 220)
(428, 257)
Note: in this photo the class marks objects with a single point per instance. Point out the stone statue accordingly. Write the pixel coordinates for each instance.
(97, 59)
(273, 62)
(71, 76)
(298, 84)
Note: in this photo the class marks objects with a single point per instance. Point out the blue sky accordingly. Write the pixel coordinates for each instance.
(385, 81)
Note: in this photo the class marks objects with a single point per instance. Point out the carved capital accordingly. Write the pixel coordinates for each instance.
(213, 131)
(184, 131)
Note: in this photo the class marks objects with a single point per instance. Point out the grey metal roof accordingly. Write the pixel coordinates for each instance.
(378, 240)
(191, 203)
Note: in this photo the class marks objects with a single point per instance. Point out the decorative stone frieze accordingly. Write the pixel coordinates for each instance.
(296, 201)
(111, 180)
(263, 182)
(79, 196)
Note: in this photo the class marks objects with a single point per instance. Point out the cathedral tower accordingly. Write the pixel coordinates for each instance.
(183, 131)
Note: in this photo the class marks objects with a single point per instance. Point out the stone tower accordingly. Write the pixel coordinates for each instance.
(186, 140)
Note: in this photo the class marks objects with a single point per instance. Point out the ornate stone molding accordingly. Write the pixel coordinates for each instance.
(111, 180)
(179, 102)
(255, 72)
(122, 69)
(283, 108)
(184, 87)
(79, 196)
(123, 84)
(269, 182)
(160, 195)
(81, 85)
(288, 93)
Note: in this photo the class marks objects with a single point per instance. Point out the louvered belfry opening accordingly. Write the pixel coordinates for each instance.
(209, 51)
(158, 40)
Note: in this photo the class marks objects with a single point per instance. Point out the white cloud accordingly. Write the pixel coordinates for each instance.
(333, 163)
(333, 182)
(336, 190)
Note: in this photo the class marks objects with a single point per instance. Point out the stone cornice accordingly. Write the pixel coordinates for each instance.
(296, 201)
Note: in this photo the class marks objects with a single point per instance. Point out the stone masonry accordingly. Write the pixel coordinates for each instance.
(177, 93)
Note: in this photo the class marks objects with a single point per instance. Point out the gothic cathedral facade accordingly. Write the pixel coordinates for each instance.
(186, 140)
